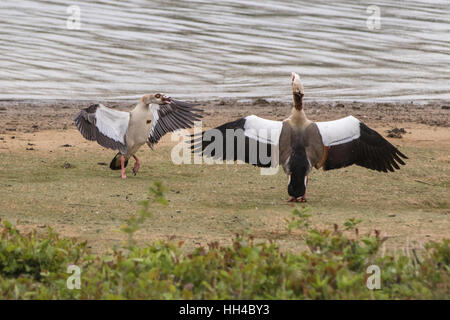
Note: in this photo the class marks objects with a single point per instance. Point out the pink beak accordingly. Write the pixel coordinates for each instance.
(166, 99)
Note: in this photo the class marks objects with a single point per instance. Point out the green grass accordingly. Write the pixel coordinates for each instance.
(212, 203)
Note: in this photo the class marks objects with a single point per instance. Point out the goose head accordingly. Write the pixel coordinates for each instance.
(297, 91)
(156, 98)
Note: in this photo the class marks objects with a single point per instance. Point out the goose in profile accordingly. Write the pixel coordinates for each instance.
(153, 117)
(299, 144)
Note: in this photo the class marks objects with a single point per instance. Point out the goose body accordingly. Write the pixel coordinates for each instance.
(298, 144)
(153, 117)
(140, 124)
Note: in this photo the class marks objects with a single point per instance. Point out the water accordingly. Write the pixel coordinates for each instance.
(204, 50)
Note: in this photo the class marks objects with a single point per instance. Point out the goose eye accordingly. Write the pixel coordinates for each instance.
(157, 96)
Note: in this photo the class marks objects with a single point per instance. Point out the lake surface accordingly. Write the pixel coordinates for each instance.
(205, 49)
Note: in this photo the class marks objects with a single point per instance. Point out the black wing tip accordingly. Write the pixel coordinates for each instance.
(392, 156)
(76, 117)
(175, 115)
(402, 155)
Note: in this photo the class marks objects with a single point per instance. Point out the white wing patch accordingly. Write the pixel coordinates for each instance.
(112, 123)
(339, 131)
(154, 108)
(263, 130)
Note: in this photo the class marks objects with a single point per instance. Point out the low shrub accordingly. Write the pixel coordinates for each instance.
(33, 256)
(334, 267)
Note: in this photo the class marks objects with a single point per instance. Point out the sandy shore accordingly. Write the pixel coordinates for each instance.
(37, 115)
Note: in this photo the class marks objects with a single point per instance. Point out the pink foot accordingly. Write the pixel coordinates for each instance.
(299, 199)
(136, 167)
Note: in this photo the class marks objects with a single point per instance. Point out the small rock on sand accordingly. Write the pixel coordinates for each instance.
(396, 133)
(67, 165)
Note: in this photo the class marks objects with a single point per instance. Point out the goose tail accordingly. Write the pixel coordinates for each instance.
(115, 162)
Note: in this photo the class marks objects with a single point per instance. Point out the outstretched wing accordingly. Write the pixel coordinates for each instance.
(170, 117)
(104, 125)
(251, 139)
(349, 141)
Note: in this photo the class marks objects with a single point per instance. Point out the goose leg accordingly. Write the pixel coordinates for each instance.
(137, 165)
(122, 167)
(303, 197)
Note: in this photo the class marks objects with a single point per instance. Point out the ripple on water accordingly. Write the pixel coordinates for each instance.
(203, 49)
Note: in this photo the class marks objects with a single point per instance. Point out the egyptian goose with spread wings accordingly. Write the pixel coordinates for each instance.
(299, 144)
(153, 117)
